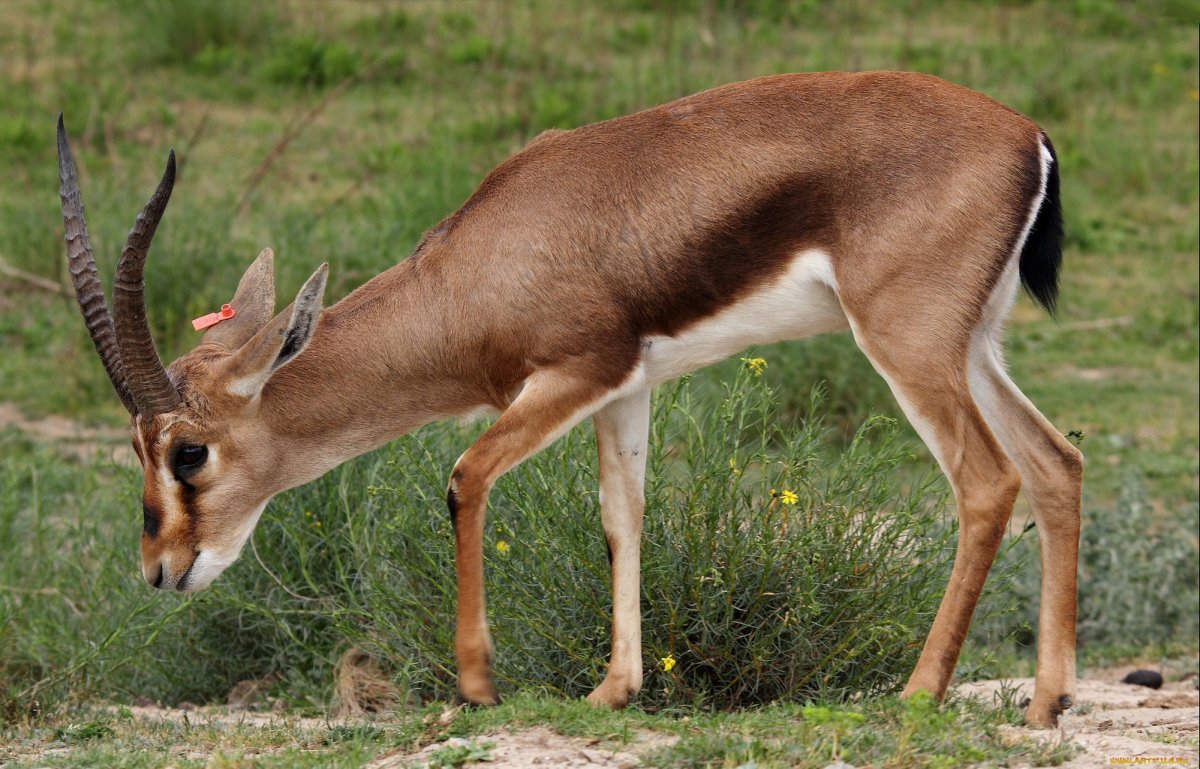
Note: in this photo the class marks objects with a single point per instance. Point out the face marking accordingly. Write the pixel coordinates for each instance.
(182, 516)
(151, 519)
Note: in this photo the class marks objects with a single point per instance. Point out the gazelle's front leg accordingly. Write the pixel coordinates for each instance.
(621, 435)
(550, 404)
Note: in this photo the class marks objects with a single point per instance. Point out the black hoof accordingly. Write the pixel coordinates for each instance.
(1061, 705)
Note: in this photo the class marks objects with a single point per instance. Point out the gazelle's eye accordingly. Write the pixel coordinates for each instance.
(188, 459)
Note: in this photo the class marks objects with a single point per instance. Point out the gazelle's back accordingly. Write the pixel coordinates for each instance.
(652, 222)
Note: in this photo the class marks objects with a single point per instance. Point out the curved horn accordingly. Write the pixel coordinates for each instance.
(82, 265)
(147, 379)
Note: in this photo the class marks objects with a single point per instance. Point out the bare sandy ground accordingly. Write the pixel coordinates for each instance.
(535, 748)
(70, 437)
(1116, 724)
(1111, 724)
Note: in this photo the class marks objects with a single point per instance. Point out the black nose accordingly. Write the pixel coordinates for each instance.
(158, 580)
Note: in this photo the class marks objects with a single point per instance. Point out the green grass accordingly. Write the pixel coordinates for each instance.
(823, 598)
(115, 738)
(414, 103)
(442, 93)
(881, 732)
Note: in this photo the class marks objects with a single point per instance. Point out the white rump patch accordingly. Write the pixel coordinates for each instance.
(802, 302)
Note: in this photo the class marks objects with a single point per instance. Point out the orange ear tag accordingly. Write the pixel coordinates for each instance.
(213, 318)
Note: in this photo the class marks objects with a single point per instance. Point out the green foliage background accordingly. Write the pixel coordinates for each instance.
(340, 131)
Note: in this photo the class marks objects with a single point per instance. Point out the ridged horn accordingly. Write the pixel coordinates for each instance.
(147, 379)
(82, 266)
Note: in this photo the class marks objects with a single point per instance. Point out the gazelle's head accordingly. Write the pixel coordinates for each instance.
(207, 458)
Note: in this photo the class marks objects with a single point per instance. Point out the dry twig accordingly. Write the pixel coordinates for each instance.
(295, 130)
(37, 281)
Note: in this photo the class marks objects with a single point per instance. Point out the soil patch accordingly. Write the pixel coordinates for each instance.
(533, 748)
(72, 438)
(1113, 723)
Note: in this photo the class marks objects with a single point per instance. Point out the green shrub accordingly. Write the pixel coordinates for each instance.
(770, 569)
(179, 32)
(470, 50)
(309, 61)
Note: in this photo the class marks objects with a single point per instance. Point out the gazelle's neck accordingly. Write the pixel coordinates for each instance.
(376, 368)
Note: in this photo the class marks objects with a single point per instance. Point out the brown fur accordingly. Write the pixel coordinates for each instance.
(575, 250)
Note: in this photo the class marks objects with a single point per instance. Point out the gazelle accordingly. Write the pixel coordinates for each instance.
(599, 262)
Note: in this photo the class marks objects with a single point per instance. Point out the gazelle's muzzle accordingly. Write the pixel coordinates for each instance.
(187, 570)
(169, 573)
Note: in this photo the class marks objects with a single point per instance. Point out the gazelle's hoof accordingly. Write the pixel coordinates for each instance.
(1044, 713)
(478, 692)
(612, 694)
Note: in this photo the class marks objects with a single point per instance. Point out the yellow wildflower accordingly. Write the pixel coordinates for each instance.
(733, 466)
(1194, 94)
(788, 497)
(502, 547)
(666, 663)
(1159, 69)
(755, 364)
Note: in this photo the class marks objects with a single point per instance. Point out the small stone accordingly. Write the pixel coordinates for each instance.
(1147, 678)
(595, 756)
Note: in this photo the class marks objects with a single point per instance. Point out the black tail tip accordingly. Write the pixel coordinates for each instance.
(1041, 255)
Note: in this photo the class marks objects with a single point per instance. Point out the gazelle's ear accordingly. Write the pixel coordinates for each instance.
(253, 304)
(279, 342)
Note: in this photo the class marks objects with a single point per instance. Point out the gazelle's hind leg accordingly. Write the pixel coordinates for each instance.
(929, 377)
(1052, 476)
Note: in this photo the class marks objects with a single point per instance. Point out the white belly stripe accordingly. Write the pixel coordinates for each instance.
(800, 303)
